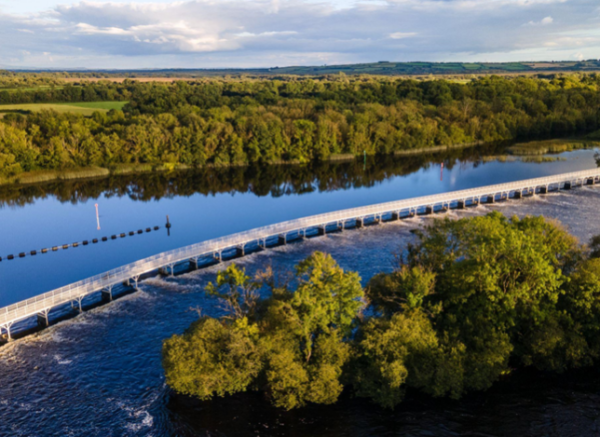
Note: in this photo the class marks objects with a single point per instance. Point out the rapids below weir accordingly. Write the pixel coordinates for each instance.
(99, 374)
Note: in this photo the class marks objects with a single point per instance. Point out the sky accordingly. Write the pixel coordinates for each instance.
(124, 34)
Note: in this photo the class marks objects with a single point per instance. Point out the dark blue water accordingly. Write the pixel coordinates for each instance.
(49, 220)
(99, 374)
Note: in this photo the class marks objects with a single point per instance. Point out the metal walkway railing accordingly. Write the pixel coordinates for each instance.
(42, 303)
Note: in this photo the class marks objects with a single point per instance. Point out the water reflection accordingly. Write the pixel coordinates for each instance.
(273, 181)
(215, 202)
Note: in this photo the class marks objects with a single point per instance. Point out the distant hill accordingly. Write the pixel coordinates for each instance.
(377, 68)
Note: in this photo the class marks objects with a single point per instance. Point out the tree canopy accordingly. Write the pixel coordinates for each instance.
(470, 301)
(236, 122)
(292, 345)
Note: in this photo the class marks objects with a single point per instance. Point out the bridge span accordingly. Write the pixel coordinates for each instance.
(239, 244)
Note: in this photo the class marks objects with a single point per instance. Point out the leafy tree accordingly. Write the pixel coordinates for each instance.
(213, 358)
(292, 345)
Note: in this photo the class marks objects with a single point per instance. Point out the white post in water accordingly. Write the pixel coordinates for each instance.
(97, 217)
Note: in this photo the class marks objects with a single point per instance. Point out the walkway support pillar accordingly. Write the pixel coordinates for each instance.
(42, 318)
(217, 256)
(107, 294)
(193, 265)
(7, 329)
(79, 306)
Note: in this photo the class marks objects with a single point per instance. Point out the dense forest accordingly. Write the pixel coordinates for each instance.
(470, 301)
(238, 122)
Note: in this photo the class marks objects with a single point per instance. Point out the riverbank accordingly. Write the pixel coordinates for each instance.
(437, 149)
(43, 176)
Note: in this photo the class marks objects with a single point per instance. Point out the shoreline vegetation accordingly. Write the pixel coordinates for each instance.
(42, 176)
(232, 122)
(532, 152)
(273, 180)
(468, 303)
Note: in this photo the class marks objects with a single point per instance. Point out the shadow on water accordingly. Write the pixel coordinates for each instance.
(274, 180)
(528, 403)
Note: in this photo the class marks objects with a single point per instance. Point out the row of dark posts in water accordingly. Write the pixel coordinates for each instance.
(82, 243)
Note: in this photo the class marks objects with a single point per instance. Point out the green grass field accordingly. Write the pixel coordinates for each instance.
(35, 88)
(83, 108)
(551, 146)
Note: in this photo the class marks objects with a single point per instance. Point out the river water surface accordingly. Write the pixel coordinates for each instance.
(99, 374)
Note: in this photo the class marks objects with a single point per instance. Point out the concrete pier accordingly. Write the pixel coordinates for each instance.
(107, 295)
(42, 319)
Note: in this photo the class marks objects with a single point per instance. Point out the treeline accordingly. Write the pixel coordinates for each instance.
(266, 180)
(52, 91)
(237, 122)
(470, 301)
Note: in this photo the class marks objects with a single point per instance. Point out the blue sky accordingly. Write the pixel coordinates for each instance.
(265, 33)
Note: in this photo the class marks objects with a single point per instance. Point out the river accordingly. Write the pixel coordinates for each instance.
(99, 374)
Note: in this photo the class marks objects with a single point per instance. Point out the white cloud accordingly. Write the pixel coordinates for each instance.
(402, 35)
(543, 22)
(252, 33)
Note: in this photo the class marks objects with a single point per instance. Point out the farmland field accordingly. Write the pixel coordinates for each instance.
(83, 108)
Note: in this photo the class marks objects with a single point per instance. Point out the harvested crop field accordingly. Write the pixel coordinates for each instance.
(83, 108)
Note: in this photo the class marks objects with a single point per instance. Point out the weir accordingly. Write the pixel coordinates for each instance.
(239, 244)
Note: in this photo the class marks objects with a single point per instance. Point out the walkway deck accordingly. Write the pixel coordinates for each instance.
(74, 293)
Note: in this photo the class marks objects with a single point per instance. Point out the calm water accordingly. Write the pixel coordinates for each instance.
(99, 374)
(208, 205)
